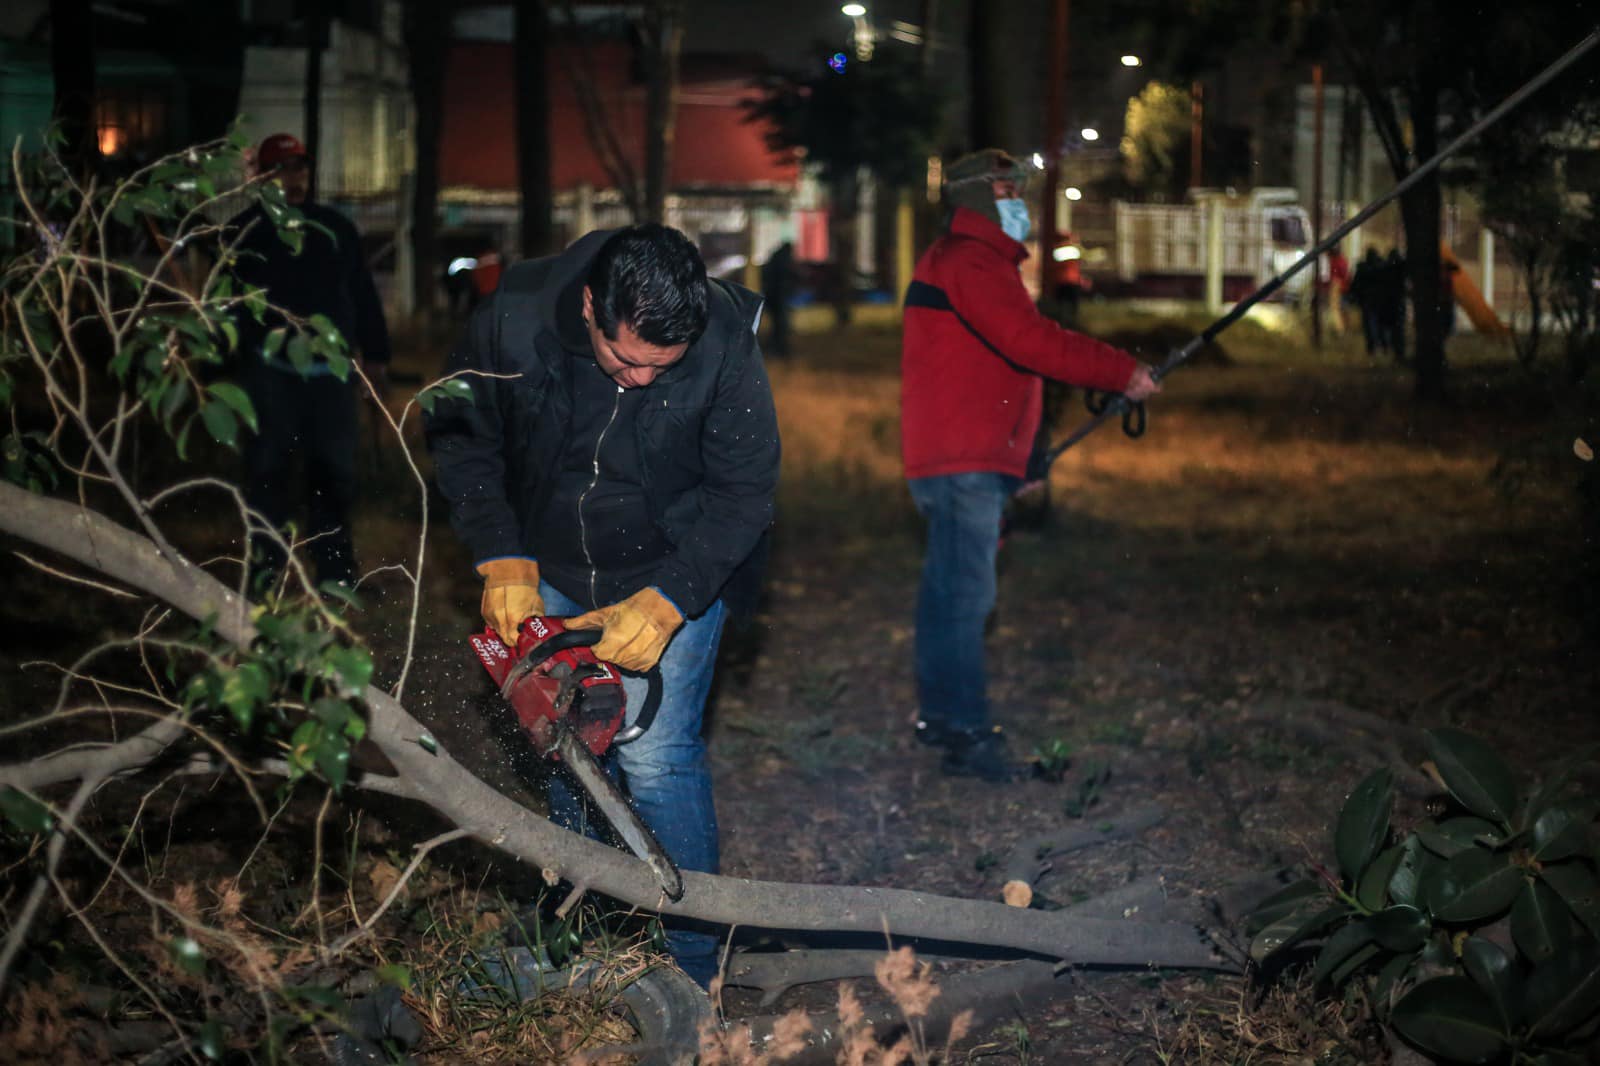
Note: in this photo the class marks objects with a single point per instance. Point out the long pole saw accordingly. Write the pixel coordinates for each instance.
(1119, 406)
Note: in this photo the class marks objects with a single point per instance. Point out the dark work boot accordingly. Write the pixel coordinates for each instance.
(981, 753)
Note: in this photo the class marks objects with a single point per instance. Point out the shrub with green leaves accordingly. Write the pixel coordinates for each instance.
(1477, 929)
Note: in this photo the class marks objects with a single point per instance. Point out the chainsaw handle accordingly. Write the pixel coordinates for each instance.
(647, 713)
(582, 638)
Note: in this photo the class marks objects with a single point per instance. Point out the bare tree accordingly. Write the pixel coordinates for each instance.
(531, 57)
(427, 32)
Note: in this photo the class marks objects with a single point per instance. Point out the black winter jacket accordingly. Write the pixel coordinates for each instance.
(706, 433)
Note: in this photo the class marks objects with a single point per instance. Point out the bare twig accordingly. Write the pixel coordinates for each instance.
(365, 928)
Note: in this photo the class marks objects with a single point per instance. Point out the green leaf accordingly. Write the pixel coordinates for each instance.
(1539, 921)
(1491, 970)
(1393, 970)
(1364, 824)
(1400, 928)
(1575, 882)
(1476, 776)
(1558, 835)
(187, 955)
(1283, 903)
(396, 975)
(300, 353)
(1414, 862)
(1472, 886)
(230, 331)
(332, 754)
(1372, 892)
(1450, 1017)
(1455, 835)
(353, 667)
(1345, 944)
(237, 400)
(246, 687)
(26, 813)
(210, 1039)
(302, 746)
(1291, 929)
(220, 423)
(1564, 992)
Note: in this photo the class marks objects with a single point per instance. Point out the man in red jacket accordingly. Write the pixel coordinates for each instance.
(973, 359)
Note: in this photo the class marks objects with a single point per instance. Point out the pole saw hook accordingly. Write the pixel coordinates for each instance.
(1134, 418)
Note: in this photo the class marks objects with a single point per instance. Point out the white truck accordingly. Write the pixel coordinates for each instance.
(1218, 247)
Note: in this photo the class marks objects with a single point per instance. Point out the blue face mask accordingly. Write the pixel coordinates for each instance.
(1014, 218)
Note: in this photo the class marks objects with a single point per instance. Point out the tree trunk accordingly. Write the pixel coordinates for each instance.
(663, 38)
(1420, 208)
(316, 45)
(844, 194)
(427, 47)
(530, 55)
(982, 120)
(72, 67)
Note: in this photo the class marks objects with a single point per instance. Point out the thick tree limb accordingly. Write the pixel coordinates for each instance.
(432, 776)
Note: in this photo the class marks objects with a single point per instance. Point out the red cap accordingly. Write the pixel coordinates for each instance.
(279, 149)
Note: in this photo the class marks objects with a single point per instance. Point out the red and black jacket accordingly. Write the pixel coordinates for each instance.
(975, 352)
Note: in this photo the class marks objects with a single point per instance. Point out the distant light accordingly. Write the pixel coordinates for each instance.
(1072, 192)
(854, 11)
(458, 265)
(1131, 61)
(1066, 253)
(837, 62)
(1089, 133)
(1038, 160)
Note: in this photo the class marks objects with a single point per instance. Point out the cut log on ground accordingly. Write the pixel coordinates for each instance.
(1031, 857)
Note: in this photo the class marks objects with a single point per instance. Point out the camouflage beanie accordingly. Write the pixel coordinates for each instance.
(966, 180)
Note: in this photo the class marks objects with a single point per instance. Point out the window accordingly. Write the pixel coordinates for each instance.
(129, 119)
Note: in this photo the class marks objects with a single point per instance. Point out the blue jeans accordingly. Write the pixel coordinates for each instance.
(957, 592)
(666, 772)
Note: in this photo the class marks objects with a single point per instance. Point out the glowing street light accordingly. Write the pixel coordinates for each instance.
(1072, 192)
(1038, 161)
(854, 11)
(1089, 133)
(1131, 61)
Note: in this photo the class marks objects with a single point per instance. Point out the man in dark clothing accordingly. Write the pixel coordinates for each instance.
(622, 471)
(777, 285)
(1392, 303)
(1366, 292)
(306, 414)
(974, 358)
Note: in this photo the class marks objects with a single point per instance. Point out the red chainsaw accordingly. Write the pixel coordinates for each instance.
(571, 706)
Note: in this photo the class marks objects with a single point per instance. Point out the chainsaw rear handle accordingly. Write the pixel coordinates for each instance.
(583, 638)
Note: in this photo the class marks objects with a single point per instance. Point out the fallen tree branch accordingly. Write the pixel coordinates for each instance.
(1030, 857)
(431, 775)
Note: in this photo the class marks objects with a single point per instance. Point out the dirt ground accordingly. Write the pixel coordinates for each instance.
(1291, 539)
(1293, 544)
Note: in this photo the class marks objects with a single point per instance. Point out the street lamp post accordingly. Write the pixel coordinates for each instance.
(857, 14)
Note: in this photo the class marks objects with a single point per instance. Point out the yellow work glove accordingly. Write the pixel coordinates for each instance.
(510, 594)
(635, 631)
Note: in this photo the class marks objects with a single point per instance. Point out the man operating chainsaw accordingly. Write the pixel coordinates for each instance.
(616, 466)
(974, 355)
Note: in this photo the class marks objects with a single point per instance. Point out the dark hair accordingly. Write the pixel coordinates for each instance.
(652, 278)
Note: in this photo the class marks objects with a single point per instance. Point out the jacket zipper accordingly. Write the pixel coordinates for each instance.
(583, 527)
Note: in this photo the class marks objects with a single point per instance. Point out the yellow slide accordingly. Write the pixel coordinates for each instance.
(1479, 313)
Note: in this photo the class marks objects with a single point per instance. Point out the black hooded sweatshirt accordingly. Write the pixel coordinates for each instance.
(670, 485)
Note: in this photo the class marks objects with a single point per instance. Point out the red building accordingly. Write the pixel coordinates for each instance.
(726, 189)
